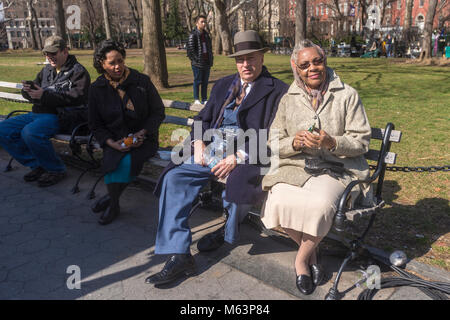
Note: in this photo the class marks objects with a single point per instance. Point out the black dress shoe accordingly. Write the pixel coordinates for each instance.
(177, 266)
(304, 284)
(212, 241)
(101, 204)
(317, 274)
(34, 174)
(109, 215)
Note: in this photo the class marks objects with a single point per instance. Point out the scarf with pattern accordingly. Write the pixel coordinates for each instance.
(315, 95)
(117, 85)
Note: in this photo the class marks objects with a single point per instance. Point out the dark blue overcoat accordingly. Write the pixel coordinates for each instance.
(257, 111)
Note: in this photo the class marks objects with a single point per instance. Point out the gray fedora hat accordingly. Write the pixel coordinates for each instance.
(246, 42)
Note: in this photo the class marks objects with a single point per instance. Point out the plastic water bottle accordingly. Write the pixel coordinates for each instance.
(211, 160)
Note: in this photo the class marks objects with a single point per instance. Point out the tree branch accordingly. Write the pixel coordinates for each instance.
(236, 7)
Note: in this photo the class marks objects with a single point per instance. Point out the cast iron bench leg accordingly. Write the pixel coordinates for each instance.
(91, 193)
(8, 167)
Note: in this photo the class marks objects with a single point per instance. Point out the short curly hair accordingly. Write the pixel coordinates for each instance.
(101, 51)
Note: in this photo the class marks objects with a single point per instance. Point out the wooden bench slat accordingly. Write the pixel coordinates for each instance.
(182, 105)
(12, 85)
(378, 133)
(13, 96)
(390, 158)
(179, 120)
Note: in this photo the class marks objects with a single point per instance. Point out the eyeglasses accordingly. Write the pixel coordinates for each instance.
(306, 65)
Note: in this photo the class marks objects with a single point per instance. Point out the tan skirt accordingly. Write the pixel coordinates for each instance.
(309, 209)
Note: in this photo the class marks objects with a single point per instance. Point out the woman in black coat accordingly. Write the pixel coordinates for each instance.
(125, 112)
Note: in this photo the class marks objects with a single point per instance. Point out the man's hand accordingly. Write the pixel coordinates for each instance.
(36, 93)
(224, 167)
(199, 149)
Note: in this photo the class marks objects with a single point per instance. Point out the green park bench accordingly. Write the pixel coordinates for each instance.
(379, 157)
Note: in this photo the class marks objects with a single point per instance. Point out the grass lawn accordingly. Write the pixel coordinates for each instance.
(415, 98)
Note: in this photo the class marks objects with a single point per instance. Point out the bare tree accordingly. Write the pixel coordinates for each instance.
(106, 18)
(443, 13)
(155, 64)
(93, 22)
(300, 21)
(384, 5)
(60, 19)
(33, 24)
(137, 19)
(189, 8)
(223, 13)
(3, 33)
(428, 29)
(408, 20)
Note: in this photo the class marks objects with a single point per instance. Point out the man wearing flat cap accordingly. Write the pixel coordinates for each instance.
(240, 103)
(61, 83)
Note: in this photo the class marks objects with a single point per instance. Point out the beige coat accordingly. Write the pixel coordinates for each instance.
(341, 115)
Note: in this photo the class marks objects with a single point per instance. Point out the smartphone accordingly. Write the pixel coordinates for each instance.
(31, 84)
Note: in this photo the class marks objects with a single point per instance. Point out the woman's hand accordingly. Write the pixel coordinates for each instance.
(225, 166)
(305, 139)
(140, 136)
(117, 145)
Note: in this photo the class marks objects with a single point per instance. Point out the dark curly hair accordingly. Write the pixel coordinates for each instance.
(101, 51)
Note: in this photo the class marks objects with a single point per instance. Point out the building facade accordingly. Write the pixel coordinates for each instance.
(17, 20)
(333, 18)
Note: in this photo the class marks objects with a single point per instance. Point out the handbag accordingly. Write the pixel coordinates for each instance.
(317, 167)
(70, 117)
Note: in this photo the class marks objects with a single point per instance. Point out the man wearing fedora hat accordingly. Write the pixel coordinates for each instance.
(61, 83)
(239, 103)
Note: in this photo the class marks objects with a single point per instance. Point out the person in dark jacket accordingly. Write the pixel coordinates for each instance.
(199, 51)
(125, 112)
(62, 83)
(240, 104)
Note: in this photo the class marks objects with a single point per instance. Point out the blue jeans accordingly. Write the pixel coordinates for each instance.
(27, 139)
(201, 77)
(179, 189)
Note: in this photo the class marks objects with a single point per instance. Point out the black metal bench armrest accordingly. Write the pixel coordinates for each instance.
(16, 111)
(339, 219)
(73, 143)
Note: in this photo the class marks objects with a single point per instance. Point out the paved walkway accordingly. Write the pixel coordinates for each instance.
(45, 231)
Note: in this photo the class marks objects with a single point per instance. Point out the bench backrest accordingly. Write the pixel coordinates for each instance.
(383, 156)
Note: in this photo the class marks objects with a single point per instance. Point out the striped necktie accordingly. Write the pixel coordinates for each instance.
(242, 94)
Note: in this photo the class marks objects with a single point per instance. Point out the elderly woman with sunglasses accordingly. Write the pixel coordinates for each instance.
(318, 139)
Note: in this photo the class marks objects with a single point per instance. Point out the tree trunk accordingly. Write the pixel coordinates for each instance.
(155, 64)
(300, 21)
(91, 25)
(34, 24)
(106, 18)
(188, 14)
(60, 19)
(408, 20)
(225, 34)
(217, 40)
(137, 19)
(428, 29)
